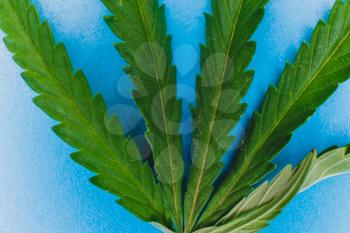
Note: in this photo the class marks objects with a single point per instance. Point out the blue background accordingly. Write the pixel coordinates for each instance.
(43, 191)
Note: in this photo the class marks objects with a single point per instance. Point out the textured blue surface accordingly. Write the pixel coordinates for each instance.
(43, 191)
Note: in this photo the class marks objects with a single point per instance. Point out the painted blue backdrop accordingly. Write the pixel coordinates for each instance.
(43, 191)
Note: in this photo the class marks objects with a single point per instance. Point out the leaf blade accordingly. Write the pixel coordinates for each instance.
(255, 211)
(145, 46)
(302, 88)
(67, 98)
(223, 82)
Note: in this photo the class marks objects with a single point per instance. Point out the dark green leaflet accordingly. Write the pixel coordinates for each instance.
(67, 98)
(318, 70)
(221, 86)
(141, 25)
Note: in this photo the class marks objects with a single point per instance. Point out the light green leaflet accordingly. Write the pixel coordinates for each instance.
(147, 50)
(221, 86)
(155, 194)
(254, 212)
(316, 73)
(67, 98)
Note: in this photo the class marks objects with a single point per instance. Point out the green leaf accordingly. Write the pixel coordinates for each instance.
(145, 46)
(220, 87)
(318, 70)
(103, 148)
(255, 211)
(83, 123)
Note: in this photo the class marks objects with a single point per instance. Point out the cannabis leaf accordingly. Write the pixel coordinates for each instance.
(147, 50)
(254, 212)
(318, 70)
(220, 88)
(156, 195)
(67, 98)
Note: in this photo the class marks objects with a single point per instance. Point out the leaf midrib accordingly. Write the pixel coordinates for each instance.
(217, 101)
(166, 127)
(247, 162)
(76, 107)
